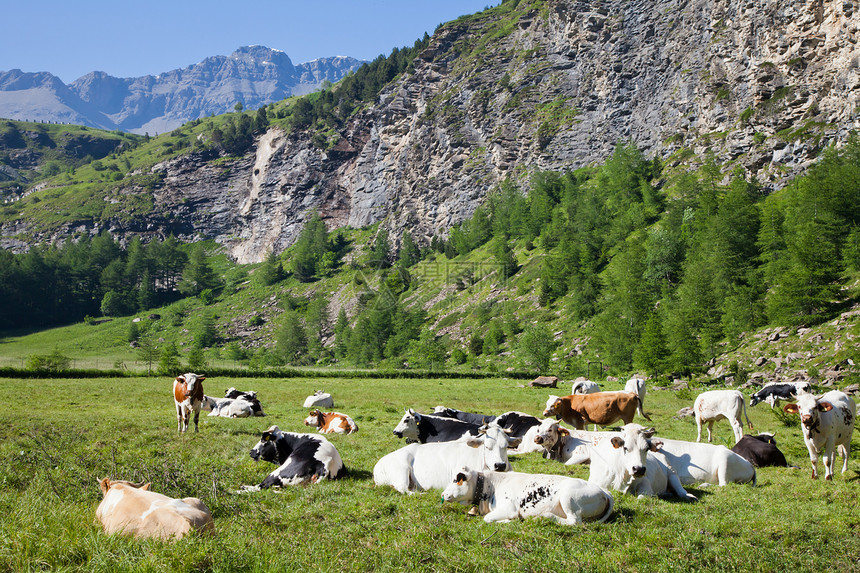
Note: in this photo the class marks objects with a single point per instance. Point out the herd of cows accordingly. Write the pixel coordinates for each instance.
(466, 454)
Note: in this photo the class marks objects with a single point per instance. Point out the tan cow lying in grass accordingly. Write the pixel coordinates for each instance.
(132, 509)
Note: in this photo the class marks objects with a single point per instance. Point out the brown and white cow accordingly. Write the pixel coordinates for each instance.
(132, 509)
(188, 397)
(331, 422)
(600, 408)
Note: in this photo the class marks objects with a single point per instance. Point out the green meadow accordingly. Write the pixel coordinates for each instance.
(59, 436)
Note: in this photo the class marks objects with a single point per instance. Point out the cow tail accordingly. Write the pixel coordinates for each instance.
(744, 404)
(641, 409)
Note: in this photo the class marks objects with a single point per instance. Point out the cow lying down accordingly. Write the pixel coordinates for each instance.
(301, 458)
(419, 467)
(624, 463)
(227, 407)
(133, 509)
(503, 496)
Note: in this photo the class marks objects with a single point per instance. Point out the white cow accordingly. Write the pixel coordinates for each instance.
(132, 509)
(419, 467)
(583, 386)
(693, 462)
(827, 424)
(319, 399)
(715, 405)
(227, 407)
(637, 386)
(705, 463)
(503, 496)
(623, 463)
(567, 446)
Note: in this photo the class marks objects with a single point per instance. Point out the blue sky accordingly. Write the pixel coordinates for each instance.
(130, 39)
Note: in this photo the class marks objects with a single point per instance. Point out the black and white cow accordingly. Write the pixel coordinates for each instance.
(419, 467)
(424, 428)
(503, 496)
(760, 451)
(469, 417)
(301, 458)
(250, 397)
(775, 391)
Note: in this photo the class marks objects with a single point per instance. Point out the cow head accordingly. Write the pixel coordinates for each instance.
(107, 483)
(267, 448)
(193, 384)
(549, 433)
(462, 486)
(495, 442)
(552, 408)
(314, 418)
(632, 448)
(408, 426)
(809, 408)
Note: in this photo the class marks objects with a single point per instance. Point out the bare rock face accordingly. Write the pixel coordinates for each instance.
(762, 84)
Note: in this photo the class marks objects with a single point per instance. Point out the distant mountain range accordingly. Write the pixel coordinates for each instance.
(252, 75)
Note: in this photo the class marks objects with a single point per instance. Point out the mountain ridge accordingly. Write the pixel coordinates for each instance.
(252, 75)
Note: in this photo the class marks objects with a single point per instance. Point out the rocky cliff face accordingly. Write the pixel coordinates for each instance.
(552, 84)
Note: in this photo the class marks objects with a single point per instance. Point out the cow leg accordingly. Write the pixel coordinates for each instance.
(813, 459)
(710, 430)
(179, 418)
(196, 416)
(738, 429)
(698, 429)
(844, 450)
(675, 486)
(501, 513)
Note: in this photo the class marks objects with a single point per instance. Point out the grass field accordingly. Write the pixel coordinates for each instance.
(60, 436)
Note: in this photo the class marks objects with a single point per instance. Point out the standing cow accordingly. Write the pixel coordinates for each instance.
(188, 398)
(715, 405)
(827, 424)
(600, 408)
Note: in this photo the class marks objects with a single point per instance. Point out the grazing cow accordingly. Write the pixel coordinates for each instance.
(715, 405)
(774, 392)
(419, 467)
(567, 446)
(503, 496)
(601, 408)
(301, 458)
(827, 423)
(331, 422)
(133, 509)
(623, 463)
(319, 399)
(188, 397)
(584, 387)
(760, 451)
(469, 417)
(423, 428)
(250, 396)
(227, 407)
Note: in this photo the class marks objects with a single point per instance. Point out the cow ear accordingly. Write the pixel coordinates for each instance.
(825, 406)
(180, 379)
(648, 432)
(201, 378)
(655, 445)
(563, 432)
(617, 442)
(146, 486)
(104, 484)
(461, 477)
(267, 436)
(790, 408)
